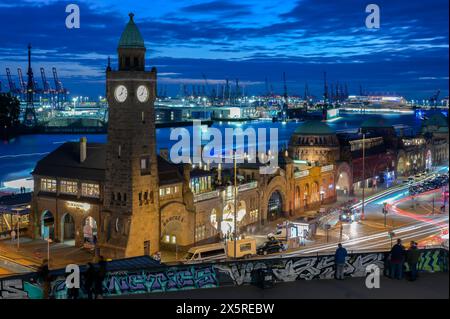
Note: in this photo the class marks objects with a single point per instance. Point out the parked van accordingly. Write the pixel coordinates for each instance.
(205, 253)
(245, 248)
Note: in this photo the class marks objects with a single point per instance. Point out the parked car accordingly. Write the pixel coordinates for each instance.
(270, 247)
(205, 253)
(280, 234)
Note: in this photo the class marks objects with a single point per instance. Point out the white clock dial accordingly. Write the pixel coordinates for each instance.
(142, 93)
(121, 93)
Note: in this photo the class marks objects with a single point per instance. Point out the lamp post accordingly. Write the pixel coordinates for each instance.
(364, 172)
(18, 231)
(48, 251)
(235, 203)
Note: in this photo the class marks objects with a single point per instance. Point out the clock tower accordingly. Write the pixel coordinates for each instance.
(130, 220)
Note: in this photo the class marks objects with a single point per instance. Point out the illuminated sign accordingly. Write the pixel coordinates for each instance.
(301, 173)
(82, 206)
(326, 168)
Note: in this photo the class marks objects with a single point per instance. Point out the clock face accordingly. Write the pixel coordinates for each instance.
(142, 93)
(121, 93)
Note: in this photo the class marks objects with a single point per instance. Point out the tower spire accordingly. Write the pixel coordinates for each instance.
(30, 114)
(108, 68)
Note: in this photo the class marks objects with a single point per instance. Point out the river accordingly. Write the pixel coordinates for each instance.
(19, 156)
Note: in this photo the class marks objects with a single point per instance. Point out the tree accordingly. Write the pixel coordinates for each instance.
(9, 111)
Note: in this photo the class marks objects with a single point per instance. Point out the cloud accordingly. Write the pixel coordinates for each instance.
(249, 40)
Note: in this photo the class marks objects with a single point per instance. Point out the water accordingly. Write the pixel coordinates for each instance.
(19, 156)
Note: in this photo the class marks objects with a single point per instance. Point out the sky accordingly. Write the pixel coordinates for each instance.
(249, 40)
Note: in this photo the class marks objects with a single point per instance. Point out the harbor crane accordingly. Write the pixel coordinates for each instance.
(12, 85)
(45, 85)
(59, 89)
(23, 85)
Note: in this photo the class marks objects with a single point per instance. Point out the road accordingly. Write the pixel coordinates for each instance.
(371, 234)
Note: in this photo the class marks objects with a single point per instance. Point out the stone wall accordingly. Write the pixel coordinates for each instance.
(234, 273)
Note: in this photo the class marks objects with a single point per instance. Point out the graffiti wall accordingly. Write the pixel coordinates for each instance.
(172, 279)
(303, 268)
(165, 279)
(18, 288)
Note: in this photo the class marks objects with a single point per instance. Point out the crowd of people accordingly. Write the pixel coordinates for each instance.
(397, 258)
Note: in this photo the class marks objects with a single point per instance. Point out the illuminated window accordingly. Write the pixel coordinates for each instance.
(168, 190)
(68, 187)
(200, 232)
(161, 192)
(145, 165)
(167, 238)
(254, 215)
(90, 190)
(48, 185)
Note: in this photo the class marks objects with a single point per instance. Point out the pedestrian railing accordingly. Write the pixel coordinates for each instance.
(162, 278)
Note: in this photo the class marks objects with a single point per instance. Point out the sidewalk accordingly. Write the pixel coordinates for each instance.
(32, 252)
(427, 286)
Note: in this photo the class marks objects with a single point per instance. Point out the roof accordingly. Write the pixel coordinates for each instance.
(131, 37)
(376, 122)
(65, 162)
(169, 173)
(314, 127)
(197, 172)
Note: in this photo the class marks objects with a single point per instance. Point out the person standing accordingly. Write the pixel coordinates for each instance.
(397, 260)
(43, 275)
(412, 258)
(339, 259)
(99, 278)
(89, 279)
(13, 235)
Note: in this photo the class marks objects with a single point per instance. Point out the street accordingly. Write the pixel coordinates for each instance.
(402, 221)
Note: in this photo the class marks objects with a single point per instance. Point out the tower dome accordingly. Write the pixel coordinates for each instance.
(131, 37)
(314, 128)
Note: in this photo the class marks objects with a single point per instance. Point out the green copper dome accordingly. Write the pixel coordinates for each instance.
(314, 128)
(131, 37)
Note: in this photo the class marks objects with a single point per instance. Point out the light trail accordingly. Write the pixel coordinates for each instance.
(23, 155)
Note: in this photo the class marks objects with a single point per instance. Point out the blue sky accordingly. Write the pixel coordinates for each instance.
(246, 39)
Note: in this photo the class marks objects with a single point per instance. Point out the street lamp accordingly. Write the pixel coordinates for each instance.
(364, 171)
(49, 240)
(18, 231)
(235, 199)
